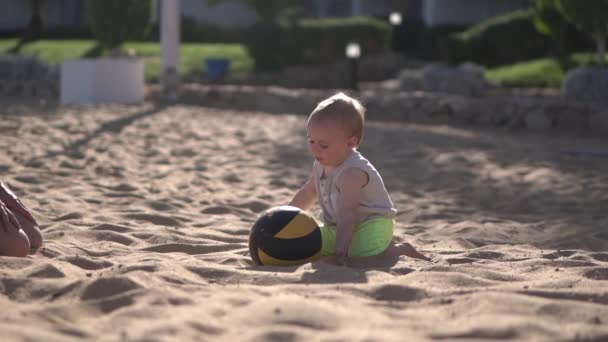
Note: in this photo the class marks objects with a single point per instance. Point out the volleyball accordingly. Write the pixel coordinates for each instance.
(284, 236)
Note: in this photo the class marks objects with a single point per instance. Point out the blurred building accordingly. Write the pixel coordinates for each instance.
(14, 14)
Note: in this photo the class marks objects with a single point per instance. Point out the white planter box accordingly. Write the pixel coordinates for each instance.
(102, 80)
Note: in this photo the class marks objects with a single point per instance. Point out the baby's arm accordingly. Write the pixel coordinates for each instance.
(350, 184)
(306, 196)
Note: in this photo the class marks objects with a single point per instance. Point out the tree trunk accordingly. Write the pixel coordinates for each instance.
(34, 26)
(601, 49)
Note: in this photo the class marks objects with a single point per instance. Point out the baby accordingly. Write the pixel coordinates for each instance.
(357, 212)
(19, 231)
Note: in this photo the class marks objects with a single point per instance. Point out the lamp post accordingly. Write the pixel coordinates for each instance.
(395, 19)
(353, 52)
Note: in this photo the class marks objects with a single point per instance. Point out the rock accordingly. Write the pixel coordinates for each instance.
(587, 84)
(466, 79)
(599, 122)
(537, 119)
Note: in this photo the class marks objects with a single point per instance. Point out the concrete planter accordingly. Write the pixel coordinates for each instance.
(102, 80)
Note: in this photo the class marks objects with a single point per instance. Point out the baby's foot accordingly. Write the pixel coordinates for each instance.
(405, 249)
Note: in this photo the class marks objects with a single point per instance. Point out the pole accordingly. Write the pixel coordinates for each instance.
(354, 73)
(170, 38)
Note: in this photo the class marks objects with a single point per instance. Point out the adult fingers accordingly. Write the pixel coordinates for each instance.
(12, 219)
(4, 222)
(22, 209)
(14, 203)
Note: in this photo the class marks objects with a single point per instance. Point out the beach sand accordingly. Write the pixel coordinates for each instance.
(146, 211)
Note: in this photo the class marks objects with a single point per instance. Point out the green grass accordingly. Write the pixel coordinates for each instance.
(192, 55)
(546, 72)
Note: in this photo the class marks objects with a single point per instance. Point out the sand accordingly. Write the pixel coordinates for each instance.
(146, 211)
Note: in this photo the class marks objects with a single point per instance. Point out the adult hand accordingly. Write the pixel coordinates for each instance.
(8, 221)
(13, 203)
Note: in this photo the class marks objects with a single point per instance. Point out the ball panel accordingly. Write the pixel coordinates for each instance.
(301, 225)
(292, 249)
(273, 220)
(266, 259)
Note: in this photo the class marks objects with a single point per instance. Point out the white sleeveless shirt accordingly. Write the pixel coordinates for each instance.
(375, 201)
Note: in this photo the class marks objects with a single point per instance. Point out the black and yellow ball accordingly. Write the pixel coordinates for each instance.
(285, 236)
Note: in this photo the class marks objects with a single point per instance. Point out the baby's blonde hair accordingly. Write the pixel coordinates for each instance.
(341, 109)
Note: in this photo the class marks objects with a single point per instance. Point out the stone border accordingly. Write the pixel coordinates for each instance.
(29, 88)
(554, 113)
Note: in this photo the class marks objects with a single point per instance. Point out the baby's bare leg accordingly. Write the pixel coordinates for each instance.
(404, 249)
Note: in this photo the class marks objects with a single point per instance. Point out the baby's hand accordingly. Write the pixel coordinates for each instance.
(8, 221)
(342, 259)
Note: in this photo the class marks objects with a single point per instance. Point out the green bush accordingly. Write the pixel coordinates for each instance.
(500, 40)
(271, 46)
(192, 30)
(115, 21)
(408, 37)
(591, 16)
(433, 39)
(549, 20)
(274, 46)
(324, 40)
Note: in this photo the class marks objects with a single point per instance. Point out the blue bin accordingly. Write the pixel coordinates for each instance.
(217, 68)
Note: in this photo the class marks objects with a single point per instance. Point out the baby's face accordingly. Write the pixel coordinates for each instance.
(329, 143)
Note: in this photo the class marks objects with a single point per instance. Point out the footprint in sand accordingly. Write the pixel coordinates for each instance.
(125, 296)
(456, 261)
(143, 267)
(70, 165)
(416, 229)
(112, 227)
(14, 263)
(183, 152)
(558, 254)
(159, 205)
(155, 219)
(597, 274)
(69, 216)
(191, 249)
(402, 270)
(106, 235)
(255, 205)
(486, 255)
(600, 256)
(123, 187)
(107, 287)
(34, 179)
(216, 210)
(86, 263)
(232, 178)
(601, 236)
(46, 271)
(209, 273)
(399, 293)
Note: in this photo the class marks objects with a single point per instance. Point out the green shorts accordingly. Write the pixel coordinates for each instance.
(371, 237)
